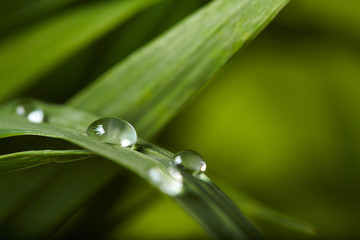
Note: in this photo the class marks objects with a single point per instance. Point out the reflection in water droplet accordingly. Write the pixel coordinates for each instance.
(169, 182)
(30, 111)
(114, 131)
(191, 161)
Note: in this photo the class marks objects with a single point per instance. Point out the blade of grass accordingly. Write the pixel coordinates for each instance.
(133, 160)
(156, 81)
(201, 198)
(24, 11)
(27, 55)
(28, 159)
(259, 212)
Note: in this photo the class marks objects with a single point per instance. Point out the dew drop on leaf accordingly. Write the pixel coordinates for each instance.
(31, 111)
(169, 181)
(113, 131)
(190, 161)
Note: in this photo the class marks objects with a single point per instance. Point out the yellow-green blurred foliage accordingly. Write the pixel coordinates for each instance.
(282, 121)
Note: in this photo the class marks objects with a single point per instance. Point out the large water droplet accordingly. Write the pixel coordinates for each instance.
(114, 131)
(29, 110)
(190, 161)
(168, 181)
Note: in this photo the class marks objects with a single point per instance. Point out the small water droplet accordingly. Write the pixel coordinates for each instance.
(29, 110)
(190, 161)
(114, 131)
(169, 182)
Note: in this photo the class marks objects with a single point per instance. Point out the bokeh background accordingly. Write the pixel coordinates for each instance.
(280, 123)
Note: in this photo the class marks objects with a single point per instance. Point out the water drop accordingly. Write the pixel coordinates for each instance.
(114, 131)
(190, 161)
(168, 181)
(30, 111)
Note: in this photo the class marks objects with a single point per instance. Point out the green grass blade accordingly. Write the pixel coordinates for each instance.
(28, 159)
(260, 213)
(14, 126)
(19, 13)
(200, 197)
(27, 55)
(226, 221)
(156, 81)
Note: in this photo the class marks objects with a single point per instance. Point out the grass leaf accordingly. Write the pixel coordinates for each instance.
(27, 55)
(152, 84)
(19, 13)
(213, 210)
(28, 159)
(259, 212)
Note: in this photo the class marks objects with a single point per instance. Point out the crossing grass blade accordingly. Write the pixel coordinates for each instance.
(156, 81)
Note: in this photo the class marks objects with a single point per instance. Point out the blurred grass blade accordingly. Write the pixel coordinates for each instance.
(18, 13)
(204, 201)
(156, 81)
(27, 55)
(28, 159)
(259, 212)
